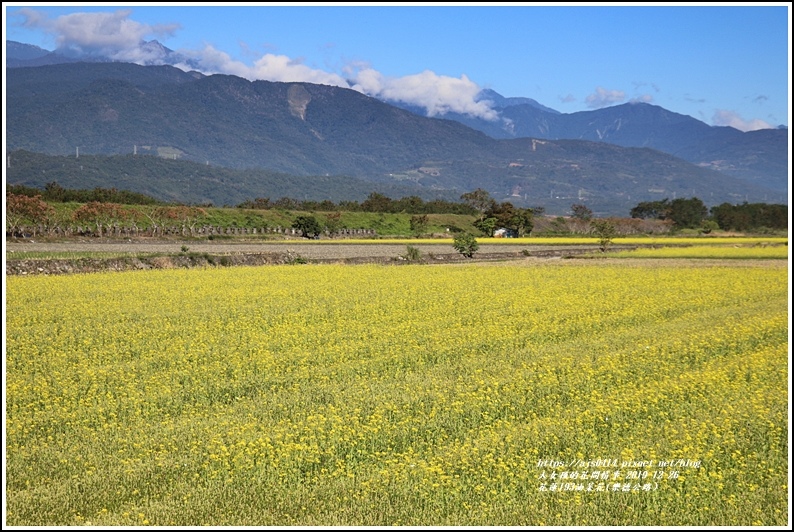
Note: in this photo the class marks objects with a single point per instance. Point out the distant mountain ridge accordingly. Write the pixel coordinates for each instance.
(757, 157)
(149, 53)
(306, 129)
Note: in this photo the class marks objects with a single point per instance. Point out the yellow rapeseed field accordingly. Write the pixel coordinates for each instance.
(574, 393)
(774, 251)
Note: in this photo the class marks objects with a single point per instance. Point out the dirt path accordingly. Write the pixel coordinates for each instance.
(322, 251)
(161, 254)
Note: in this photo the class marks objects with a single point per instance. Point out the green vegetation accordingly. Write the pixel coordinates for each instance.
(190, 182)
(605, 231)
(53, 192)
(53, 209)
(308, 226)
(465, 244)
(412, 253)
(693, 213)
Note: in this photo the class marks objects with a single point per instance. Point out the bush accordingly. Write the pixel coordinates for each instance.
(412, 253)
(308, 226)
(709, 226)
(465, 244)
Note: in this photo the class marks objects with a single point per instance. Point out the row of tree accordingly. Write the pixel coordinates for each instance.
(375, 202)
(23, 207)
(54, 192)
(692, 213)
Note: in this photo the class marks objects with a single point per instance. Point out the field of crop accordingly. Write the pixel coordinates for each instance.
(575, 393)
(705, 252)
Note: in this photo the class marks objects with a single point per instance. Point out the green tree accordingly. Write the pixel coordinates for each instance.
(465, 244)
(522, 221)
(750, 216)
(709, 226)
(687, 213)
(480, 200)
(519, 221)
(486, 225)
(605, 231)
(684, 213)
(308, 226)
(377, 202)
(651, 209)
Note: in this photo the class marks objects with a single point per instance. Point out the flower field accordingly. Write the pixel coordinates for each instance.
(572, 393)
(777, 251)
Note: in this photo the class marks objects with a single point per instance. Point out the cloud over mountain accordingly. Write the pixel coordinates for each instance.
(112, 35)
(604, 98)
(118, 37)
(723, 117)
(437, 94)
(269, 67)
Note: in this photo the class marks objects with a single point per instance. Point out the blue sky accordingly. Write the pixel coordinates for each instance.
(723, 64)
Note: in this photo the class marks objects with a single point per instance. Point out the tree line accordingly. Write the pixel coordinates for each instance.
(692, 213)
(375, 202)
(110, 207)
(54, 192)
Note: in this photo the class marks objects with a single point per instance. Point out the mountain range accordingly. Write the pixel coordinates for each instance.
(757, 156)
(533, 155)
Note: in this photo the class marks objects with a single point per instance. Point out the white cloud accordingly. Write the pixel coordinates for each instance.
(281, 68)
(643, 98)
(730, 118)
(603, 98)
(113, 35)
(437, 94)
(269, 67)
(118, 37)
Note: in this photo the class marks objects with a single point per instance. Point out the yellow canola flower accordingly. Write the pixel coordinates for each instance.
(328, 394)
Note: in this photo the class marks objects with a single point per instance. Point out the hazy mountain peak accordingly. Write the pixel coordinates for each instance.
(18, 50)
(501, 101)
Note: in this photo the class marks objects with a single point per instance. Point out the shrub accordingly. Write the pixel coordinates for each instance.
(465, 244)
(412, 253)
(308, 226)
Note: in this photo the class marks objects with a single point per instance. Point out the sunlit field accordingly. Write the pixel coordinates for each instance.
(705, 252)
(573, 393)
